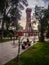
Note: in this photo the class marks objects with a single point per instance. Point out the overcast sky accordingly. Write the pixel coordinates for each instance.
(32, 4)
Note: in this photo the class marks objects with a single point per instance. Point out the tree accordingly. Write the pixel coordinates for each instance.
(42, 16)
(11, 7)
(47, 17)
(2, 5)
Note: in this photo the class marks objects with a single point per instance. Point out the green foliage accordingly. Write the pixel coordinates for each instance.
(47, 13)
(2, 5)
(36, 55)
(43, 22)
(13, 11)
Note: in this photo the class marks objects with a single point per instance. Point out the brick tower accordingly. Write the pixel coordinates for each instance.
(28, 20)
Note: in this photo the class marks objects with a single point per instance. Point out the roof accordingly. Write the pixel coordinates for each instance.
(28, 10)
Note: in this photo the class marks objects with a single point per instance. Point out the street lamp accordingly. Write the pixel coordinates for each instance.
(18, 58)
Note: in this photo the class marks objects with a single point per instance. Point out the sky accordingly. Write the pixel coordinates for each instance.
(32, 4)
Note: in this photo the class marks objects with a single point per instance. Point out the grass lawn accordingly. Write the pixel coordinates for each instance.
(6, 40)
(36, 55)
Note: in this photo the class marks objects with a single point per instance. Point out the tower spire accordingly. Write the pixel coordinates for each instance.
(28, 20)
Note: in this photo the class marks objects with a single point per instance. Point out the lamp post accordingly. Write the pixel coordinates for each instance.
(18, 58)
(14, 37)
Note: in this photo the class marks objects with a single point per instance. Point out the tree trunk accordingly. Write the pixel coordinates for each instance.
(41, 38)
(2, 30)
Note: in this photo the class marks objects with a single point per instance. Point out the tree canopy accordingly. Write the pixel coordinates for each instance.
(43, 17)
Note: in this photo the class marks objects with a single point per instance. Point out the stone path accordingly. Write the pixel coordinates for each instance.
(9, 51)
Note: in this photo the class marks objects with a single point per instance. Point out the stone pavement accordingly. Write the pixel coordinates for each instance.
(8, 51)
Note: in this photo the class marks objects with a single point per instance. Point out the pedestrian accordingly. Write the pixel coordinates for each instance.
(27, 40)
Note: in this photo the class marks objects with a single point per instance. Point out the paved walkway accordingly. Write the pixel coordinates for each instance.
(9, 51)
